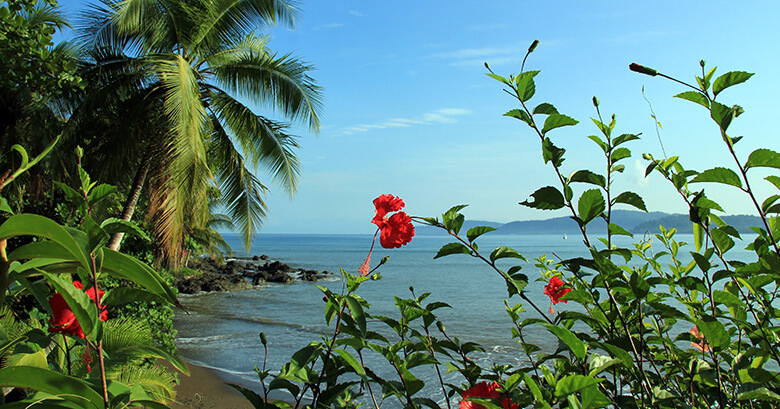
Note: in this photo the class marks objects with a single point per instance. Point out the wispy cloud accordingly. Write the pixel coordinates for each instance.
(330, 26)
(477, 56)
(439, 116)
(356, 13)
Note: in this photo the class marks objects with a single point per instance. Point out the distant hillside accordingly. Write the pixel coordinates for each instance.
(560, 225)
(633, 221)
(741, 222)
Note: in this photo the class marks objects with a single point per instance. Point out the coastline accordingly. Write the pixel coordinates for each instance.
(205, 389)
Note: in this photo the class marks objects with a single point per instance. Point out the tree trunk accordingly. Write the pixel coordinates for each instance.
(132, 201)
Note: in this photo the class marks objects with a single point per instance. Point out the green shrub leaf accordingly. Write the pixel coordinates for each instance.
(556, 121)
(586, 176)
(591, 205)
(719, 175)
(694, 96)
(631, 198)
(546, 198)
(575, 344)
(477, 231)
(728, 79)
(452, 248)
(764, 158)
(574, 383)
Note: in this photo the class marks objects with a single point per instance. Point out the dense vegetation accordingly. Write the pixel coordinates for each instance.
(139, 126)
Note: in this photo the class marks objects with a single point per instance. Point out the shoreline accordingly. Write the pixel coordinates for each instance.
(205, 389)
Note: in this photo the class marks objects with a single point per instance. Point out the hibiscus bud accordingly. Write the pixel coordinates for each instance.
(702, 63)
(440, 326)
(263, 340)
(533, 46)
(642, 69)
(595, 102)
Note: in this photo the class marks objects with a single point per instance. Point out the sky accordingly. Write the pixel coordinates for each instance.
(408, 109)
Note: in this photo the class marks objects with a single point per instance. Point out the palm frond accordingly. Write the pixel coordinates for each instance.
(264, 141)
(282, 83)
(156, 381)
(242, 192)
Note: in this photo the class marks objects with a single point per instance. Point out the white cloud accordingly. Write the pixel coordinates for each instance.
(477, 56)
(330, 26)
(356, 13)
(439, 116)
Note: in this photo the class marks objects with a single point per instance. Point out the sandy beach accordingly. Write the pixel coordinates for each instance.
(203, 389)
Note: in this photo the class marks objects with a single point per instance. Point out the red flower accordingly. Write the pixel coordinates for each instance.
(385, 204)
(701, 346)
(483, 390)
(63, 320)
(397, 230)
(554, 290)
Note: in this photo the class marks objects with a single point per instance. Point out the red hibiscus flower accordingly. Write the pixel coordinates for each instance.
(63, 320)
(397, 230)
(484, 390)
(701, 346)
(385, 204)
(554, 290)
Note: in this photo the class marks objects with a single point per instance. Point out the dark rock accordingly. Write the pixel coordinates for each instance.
(211, 282)
(310, 275)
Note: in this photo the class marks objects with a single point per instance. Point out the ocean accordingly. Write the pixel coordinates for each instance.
(221, 330)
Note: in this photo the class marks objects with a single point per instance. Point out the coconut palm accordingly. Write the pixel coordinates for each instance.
(197, 64)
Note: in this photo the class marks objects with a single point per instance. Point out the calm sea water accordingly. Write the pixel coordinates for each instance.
(220, 330)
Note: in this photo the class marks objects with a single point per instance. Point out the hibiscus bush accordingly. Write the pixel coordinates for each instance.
(658, 324)
(83, 357)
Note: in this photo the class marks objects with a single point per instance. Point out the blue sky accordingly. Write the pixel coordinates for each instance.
(410, 111)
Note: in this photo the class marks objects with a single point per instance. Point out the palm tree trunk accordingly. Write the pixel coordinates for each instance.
(132, 200)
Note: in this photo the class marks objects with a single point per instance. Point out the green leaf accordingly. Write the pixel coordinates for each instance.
(546, 198)
(54, 383)
(719, 175)
(550, 152)
(619, 154)
(615, 229)
(715, 333)
(526, 88)
(498, 78)
(35, 225)
(764, 158)
(728, 79)
(113, 225)
(575, 344)
(586, 176)
(505, 252)
(556, 121)
(521, 115)
(84, 309)
(545, 108)
(100, 192)
(775, 180)
(574, 383)
(694, 96)
(590, 205)
(256, 400)
(452, 248)
(722, 240)
(477, 231)
(357, 313)
(603, 145)
(723, 115)
(352, 361)
(453, 220)
(126, 295)
(761, 393)
(124, 266)
(4, 207)
(631, 198)
(624, 138)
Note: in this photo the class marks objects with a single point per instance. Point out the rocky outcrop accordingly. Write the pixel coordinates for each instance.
(241, 274)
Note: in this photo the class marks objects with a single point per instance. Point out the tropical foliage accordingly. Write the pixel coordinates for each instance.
(659, 324)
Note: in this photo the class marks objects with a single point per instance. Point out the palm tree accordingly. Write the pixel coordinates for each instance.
(191, 64)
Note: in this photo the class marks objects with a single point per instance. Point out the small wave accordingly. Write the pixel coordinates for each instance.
(210, 338)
